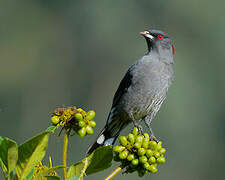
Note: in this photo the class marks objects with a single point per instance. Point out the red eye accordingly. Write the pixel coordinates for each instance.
(173, 49)
(160, 36)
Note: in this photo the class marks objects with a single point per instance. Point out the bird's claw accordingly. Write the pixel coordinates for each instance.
(153, 138)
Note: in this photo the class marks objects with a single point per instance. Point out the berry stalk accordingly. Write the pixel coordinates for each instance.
(115, 172)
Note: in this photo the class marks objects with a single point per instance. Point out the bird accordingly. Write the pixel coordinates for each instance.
(142, 90)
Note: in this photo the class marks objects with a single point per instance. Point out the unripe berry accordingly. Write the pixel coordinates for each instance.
(55, 120)
(152, 160)
(156, 154)
(130, 157)
(162, 151)
(161, 160)
(131, 138)
(139, 139)
(81, 124)
(145, 145)
(141, 172)
(92, 123)
(146, 135)
(141, 151)
(146, 165)
(118, 148)
(82, 132)
(89, 130)
(137, 145)
(143, 159)
(90, 115)
(135, 162)
(153, 168)
(123, 140)
(149, 153)
(152, 145)
(124, 154)
(158, 147)
(78, 116)
(135, 131)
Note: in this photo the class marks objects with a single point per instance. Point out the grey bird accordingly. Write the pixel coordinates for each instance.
(142, 90)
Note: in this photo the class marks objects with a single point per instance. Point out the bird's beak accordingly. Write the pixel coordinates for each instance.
(147, 34)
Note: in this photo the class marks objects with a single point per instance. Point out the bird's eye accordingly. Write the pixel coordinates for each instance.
(159, 36)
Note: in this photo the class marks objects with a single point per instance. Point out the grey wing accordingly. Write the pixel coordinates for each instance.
(124, 85)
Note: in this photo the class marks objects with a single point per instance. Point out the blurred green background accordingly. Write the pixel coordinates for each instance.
(76, 52)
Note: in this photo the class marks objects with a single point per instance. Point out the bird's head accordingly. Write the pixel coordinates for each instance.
(158, 41)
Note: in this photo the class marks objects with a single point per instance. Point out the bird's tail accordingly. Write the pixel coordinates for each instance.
(115, 123)
(104, 138)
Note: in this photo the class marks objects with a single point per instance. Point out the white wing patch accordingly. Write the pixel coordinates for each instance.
(101, 139)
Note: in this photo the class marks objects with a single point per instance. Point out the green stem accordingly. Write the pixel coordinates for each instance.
(112, 174)
(65, 146)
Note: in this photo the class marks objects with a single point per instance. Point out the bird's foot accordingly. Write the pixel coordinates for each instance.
(153, 138)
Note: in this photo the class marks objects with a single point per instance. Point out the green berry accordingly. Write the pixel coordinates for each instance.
(82, 132)
(149, 153)
(89, 130)
(162, 151)
(118, 148)
(146, 135)
(137, 145)
(158, 147)
(152, 145)
(124, 154)
(135, 131)
(143, 159)
(131, 138)
(55, 120)
(90, 115)
(81, 124)
(78, 116)
(116, 158)
(141, 151)
(141, 172)
(130, 157)
(139, 139)
(92, 123)
(161, 160)
(160, 143)
(153, 168)
(146, 165)
(156, 154)
(152, 160)
(145, 145)
(135, 162)
(123, 140)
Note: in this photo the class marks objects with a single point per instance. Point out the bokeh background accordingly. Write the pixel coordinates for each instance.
(76, 52)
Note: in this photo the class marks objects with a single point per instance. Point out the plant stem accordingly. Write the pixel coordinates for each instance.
(65, 146)
(115, 172)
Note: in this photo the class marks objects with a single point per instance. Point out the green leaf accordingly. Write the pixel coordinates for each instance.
(51, 128)
(8, 154)
(1, 139)
(31, 153)
(29, 176)
(77, 170)
(47, 171)
(100, 160)
(53, 177)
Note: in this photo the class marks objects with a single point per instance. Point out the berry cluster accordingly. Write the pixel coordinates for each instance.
(77, 119)
(137, 152)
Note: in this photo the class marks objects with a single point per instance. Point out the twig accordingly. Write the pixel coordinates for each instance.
(65, 146)
(115, 172)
